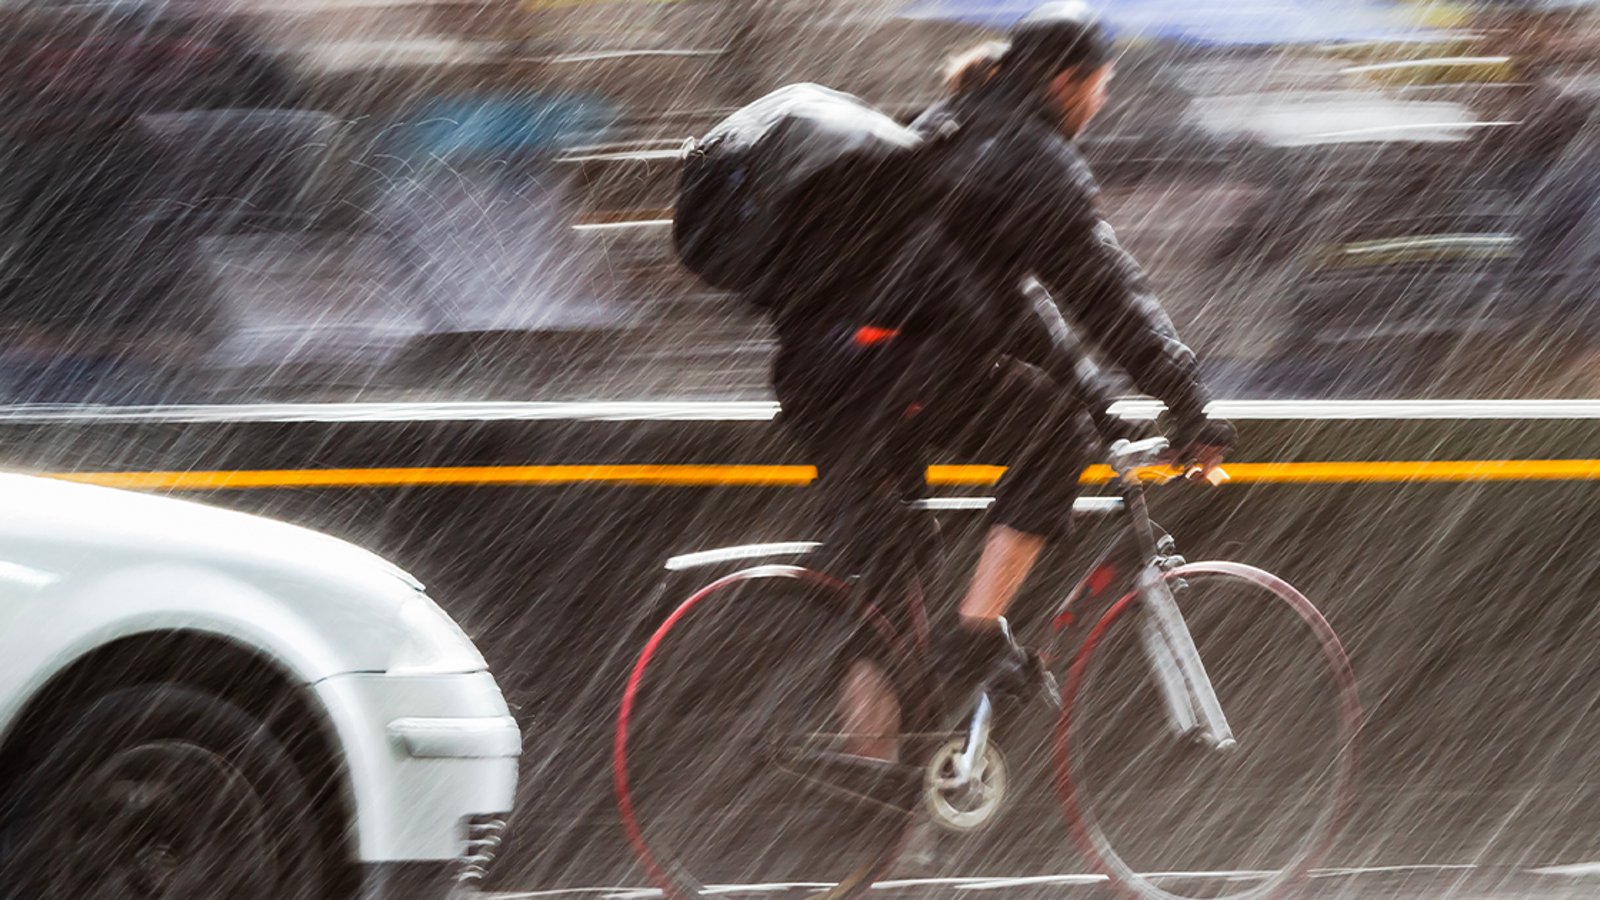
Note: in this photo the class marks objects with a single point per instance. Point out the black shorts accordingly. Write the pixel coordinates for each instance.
(873, 417)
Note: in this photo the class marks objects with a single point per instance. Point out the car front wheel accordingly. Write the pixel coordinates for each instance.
(162, 791)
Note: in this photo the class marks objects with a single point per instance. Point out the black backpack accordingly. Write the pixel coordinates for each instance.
(743, 183)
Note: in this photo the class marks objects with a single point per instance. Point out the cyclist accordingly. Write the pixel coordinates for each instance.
(885, 356)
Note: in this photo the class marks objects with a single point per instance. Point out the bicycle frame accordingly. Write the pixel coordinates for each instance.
(947, 766)
(1187, 694)
(1188, 697)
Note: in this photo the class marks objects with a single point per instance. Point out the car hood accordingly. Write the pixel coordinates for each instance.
(112, 523)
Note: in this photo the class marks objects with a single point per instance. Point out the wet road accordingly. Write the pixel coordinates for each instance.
(1457, 882)
(1400, 845)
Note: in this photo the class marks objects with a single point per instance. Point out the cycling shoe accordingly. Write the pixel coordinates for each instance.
(983, 654)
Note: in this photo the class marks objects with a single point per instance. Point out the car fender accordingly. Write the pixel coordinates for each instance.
(40, 640)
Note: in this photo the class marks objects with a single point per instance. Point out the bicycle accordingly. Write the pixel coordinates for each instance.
(731, 764)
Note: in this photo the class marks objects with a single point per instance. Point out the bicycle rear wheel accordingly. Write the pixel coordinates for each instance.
(743, 755)
(1166, 817)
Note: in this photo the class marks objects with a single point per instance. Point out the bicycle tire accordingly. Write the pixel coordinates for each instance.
(1253, 716)
(795, 628)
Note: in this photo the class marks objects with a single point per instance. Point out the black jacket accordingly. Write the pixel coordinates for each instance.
(1000, 197)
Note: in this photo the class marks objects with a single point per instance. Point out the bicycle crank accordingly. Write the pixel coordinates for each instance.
(964, 807)
(865, 779)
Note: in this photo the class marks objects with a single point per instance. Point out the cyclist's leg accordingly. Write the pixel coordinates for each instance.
(863, 494)
(858, 490)
(878, 439)
(871, 456)
(1045, 438)
(869, 435)
(869, 712)
(838, 403)
(1008, 556)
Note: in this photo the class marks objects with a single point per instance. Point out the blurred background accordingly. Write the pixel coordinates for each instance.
(228, 201)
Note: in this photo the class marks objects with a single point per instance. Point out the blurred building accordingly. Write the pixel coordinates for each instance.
(493, 180)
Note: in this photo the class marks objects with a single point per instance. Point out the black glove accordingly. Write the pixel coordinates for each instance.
(1190, 433)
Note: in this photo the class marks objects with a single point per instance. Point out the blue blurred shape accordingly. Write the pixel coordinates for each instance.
(507, 124)
(1209, 22)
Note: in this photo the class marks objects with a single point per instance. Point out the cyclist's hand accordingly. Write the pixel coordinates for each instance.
(1201, 443)
(1206, 466)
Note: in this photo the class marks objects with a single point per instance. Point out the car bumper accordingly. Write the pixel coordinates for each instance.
(430, 880)
(430, 760)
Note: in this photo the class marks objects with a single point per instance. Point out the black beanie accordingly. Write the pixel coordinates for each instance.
(1055, 37)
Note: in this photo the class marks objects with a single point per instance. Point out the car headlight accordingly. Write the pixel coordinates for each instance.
(431, 642)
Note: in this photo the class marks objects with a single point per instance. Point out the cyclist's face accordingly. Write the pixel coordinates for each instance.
(1079, 96)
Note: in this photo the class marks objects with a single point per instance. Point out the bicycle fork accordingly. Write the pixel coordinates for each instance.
(1191, 702)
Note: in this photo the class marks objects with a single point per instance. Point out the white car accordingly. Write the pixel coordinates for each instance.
(198, 704)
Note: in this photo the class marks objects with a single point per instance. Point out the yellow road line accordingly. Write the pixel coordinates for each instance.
(1399, 471)
(798, 476)
(1388, 471)
(683, 476)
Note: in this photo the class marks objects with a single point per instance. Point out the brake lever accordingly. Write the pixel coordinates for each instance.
(1216, 476)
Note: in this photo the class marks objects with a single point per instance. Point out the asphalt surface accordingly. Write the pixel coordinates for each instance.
(1400, 845)
(1458, 882)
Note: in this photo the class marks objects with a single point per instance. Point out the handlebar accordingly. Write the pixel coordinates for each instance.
(1128, 458)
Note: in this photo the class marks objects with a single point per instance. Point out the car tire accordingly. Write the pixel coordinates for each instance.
(160, 791)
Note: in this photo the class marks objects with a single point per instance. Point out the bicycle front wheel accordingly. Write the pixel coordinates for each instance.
(1166, 816)
(758, 742)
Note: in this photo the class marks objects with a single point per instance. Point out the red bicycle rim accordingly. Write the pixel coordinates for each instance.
(1349, 717)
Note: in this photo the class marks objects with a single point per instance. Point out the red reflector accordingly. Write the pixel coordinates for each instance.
(867, 335)
(1100, 578)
